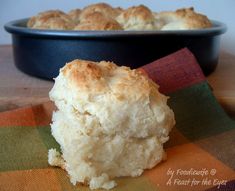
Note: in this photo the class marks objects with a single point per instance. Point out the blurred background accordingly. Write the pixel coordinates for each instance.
(221, 10)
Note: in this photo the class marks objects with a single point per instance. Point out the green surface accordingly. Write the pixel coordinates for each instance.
(47, 138)
(21, 148)
(198, 115)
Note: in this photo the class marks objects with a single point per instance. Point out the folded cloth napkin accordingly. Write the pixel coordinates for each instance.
(201, 149)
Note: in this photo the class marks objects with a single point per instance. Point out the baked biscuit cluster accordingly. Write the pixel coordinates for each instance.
(102, 16)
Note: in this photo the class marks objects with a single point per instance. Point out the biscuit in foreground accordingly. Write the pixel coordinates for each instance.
(111, 122)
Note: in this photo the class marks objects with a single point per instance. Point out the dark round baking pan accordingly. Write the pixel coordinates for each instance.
(42, 52)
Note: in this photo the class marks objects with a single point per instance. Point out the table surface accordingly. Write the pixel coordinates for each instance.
(18, 89)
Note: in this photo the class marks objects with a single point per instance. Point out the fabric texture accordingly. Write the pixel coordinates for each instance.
(201, 149)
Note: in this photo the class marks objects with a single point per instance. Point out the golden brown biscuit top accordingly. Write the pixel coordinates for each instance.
(140, 12)
(52, 19)
(137, 18)
(97, 21)
(104, 8)
(194, 19)
(185, 17)
(51, 13)
(97, 77)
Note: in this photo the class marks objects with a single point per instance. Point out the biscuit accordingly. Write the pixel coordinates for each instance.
(111, 122)
(137, 18)
(182, 19)
(53, 19)
(103, 8)
(97, 21)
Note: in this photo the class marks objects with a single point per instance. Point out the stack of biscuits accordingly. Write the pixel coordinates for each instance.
(111, 122)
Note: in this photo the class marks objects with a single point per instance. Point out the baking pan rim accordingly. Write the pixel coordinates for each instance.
(19, 27)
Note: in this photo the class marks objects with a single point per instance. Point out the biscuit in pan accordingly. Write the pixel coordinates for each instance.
(97, 21)
(182, 19)
(103, 8)
(137, 18)
(52, 19)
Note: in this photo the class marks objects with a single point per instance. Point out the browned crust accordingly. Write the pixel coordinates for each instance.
(94, 77)
(98, 21)
(103, 8)
(52, 19)
(140, 12)
(192, 19)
